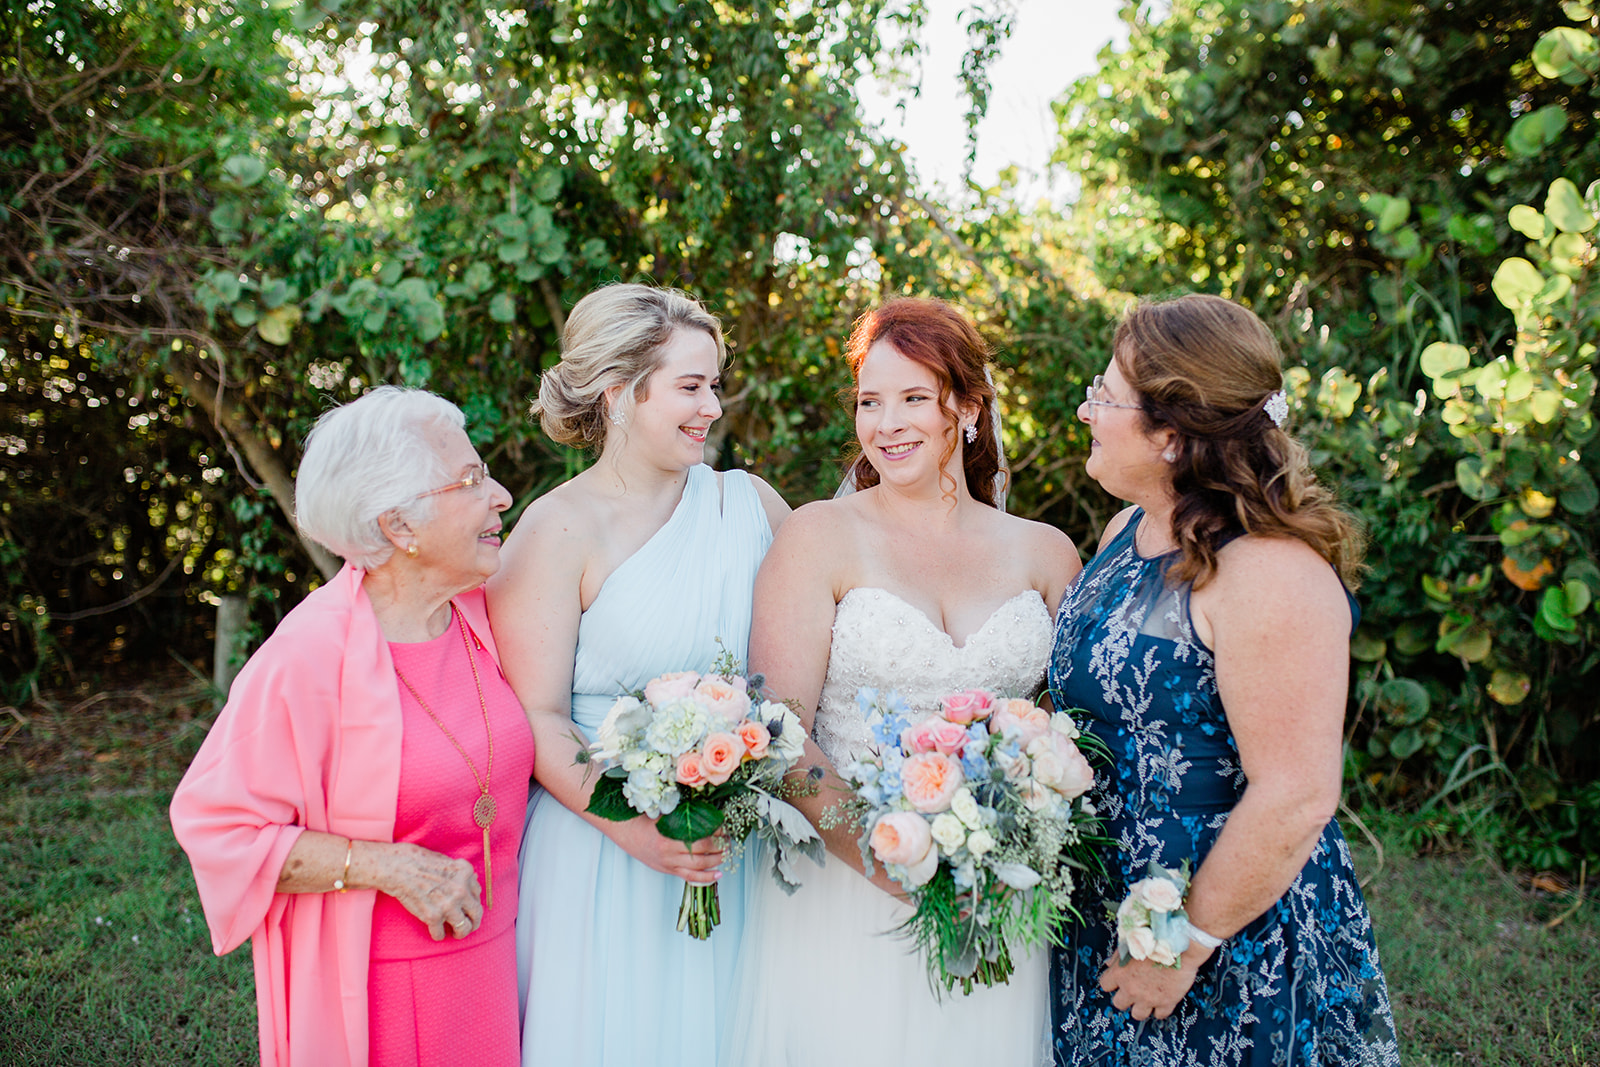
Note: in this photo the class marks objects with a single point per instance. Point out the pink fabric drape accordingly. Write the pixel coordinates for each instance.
(309, 740)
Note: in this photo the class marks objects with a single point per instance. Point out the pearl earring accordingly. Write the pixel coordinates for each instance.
(616, 418)
(972, 433)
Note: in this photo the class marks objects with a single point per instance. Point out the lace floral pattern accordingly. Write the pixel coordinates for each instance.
(1302, 984)
(877, 635)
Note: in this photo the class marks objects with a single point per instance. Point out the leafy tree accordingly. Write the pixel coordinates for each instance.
(246, 212)
(1383, 180)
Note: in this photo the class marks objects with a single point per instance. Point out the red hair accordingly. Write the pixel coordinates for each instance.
(937, 336)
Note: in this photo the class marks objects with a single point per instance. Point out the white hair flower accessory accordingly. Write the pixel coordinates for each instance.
(1277, 407)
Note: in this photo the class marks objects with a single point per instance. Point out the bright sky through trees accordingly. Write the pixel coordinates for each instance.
(1052, 44)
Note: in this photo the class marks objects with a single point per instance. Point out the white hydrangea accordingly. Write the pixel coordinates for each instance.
(677, 727)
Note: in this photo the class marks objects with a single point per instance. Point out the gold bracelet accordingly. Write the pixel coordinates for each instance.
(349, 850)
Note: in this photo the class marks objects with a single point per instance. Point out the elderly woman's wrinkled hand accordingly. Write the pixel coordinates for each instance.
(440, 891)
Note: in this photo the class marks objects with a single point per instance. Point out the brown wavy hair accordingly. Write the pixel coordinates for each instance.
(936, 335)
(1204, 368)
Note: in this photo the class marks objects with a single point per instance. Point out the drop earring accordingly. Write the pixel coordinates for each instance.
(972, 433)
(616, 418)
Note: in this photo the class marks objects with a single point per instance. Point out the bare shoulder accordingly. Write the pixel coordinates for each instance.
(820, 525)
(554, 531)
(1052, 559)
(1273, 578)
(1040, 537)
(772, 503)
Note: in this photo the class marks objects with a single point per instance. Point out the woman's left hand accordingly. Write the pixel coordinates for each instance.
(1147, 990)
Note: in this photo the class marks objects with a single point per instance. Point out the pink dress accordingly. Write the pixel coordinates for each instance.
(452, 1001)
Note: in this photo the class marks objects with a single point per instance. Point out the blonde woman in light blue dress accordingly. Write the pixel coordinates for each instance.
(642, 564)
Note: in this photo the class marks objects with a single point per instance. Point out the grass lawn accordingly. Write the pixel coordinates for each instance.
(107, 960)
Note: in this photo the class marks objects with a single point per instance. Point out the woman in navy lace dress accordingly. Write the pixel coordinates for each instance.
(1209, 642)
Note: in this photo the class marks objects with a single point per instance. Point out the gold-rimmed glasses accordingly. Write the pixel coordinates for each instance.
(476, 475)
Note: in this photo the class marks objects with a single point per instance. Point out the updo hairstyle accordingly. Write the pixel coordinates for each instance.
(614, 336)
(936, 335)
(1205, 367)
(368, 457)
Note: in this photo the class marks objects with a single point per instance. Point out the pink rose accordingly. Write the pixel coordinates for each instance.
(722, 753)
(918, 738)
(670, 687)
(1020, 720)
(755, 736)
(691, 770)
(929, 780)
(1058, 764)
(947, 737)
(726, 697)
(969, 705)
(901, 837)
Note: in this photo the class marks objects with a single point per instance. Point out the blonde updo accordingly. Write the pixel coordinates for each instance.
(613, 337)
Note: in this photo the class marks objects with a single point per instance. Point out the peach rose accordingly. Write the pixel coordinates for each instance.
(755, 736)
(670, 687)
(901, 837)
(691, 770)
(930, 780)
(726, 697)
(722, 753)
(1020, 720)
(1058, 764)
(969, 705)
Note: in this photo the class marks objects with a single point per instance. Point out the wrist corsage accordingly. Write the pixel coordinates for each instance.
(1151, 922)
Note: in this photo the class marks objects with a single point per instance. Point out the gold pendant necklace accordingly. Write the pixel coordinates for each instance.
(483, 809)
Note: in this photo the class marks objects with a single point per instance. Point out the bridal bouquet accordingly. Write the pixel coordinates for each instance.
(702, 753)
(979, 812)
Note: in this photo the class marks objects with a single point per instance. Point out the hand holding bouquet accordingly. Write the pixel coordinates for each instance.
(979, 812)
(703, 754)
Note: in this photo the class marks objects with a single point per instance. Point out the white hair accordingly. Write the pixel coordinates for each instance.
(369, 457)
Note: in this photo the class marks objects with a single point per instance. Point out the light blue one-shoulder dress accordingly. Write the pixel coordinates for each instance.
(605, 977)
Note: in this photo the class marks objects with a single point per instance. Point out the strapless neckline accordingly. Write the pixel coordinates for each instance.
(881, 641)
(988, 623)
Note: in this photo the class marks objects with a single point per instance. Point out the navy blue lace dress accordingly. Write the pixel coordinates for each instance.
(1301, 984)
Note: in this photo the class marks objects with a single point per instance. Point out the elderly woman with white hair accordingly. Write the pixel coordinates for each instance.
(356, 809)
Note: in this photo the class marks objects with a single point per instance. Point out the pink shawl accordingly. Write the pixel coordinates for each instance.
(309, 739)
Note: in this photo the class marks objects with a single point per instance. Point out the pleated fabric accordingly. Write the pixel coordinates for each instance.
(605, 977)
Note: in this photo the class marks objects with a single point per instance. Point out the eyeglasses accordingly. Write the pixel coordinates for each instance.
(476, 475)
(1091, 396)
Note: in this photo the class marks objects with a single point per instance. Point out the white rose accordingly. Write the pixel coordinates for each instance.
(1140, 941)
(948, 831)
(1036, 797)
(979, 842)
(965, 807)
(1132, 912)
(1062, 723)
(1161, 952)
(1157, 894)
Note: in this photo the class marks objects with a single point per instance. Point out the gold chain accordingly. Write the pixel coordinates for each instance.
(484, 808)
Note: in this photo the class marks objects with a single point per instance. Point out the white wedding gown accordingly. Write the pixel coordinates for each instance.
(823, 979)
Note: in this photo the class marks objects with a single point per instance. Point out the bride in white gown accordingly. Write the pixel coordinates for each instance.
(916, 582)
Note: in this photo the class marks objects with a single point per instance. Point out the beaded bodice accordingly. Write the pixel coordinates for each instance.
(883, 642)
